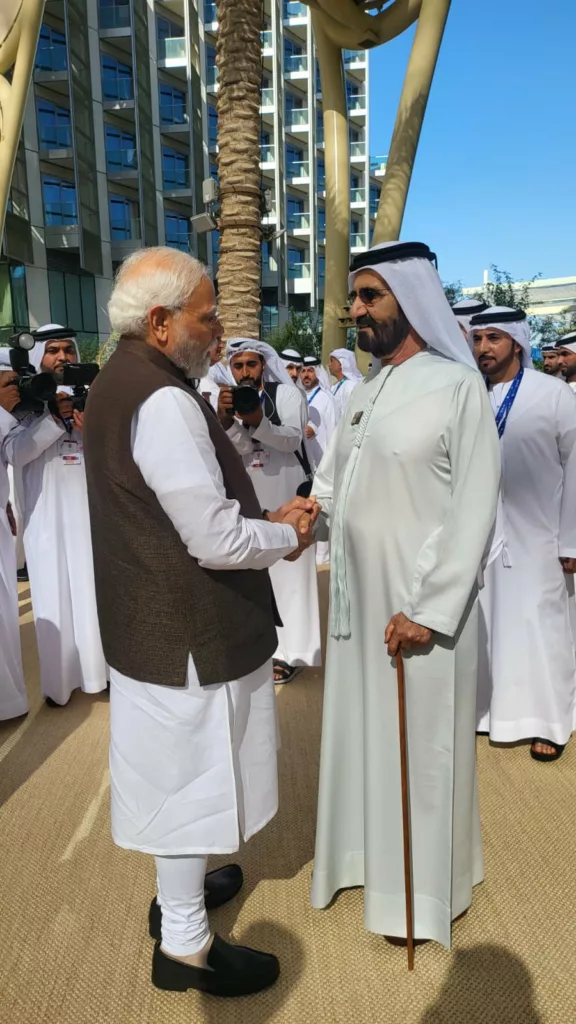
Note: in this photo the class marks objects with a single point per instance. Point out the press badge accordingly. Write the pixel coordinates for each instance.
(260, 458)
(71, 453)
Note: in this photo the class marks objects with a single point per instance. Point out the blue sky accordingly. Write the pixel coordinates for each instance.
(495, 174)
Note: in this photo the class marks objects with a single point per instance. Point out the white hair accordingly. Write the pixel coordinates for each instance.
(157, 276)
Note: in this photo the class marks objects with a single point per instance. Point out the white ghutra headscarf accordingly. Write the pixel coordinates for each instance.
(274, 369)
(519, 330)
(347, 361)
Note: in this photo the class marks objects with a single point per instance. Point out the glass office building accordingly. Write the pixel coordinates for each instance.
(120, 130)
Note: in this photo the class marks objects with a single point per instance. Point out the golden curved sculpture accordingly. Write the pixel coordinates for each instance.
(364, 24)
(20, 22)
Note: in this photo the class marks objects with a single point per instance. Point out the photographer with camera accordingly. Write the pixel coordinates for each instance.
(13, 699)
(46, 449)
(265, 417)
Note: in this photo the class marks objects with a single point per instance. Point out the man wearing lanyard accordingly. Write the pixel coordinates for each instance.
(527, 668)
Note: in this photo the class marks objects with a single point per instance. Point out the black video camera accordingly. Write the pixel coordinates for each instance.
(245, 398)
(35, 388)
(79, 377)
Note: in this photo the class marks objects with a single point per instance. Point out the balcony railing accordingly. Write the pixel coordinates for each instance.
(378, 164)
(60, 213)
(293, 9)
(118, 160)
(117, 89)
(354, 57)
(298, 270)
(175, 180)
(172, 113)
(295, 62)
(182, 242)
(211, 74)
(297, 117)
(266, 154)
(299, 221)
(55, 136)
(357, 101)
(267, 99)
(173, 48)
(266, 39)
(357, 149)
(127, 232)
(210, 14)
(115, 17)
(298, 169)
(357, 240)
(51, 58)
(357, 195)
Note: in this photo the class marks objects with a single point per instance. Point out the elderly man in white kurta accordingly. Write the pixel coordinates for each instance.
(409, 486)
(321, 424)
(342, 366)
(186, 609)
(527, 671)
(46, 452)
(270, 441)
(13, 698)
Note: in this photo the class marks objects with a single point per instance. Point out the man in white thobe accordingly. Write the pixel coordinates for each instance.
(192, 758)
(321, 424)
(270, 441)
(13, 698)
(293, 362)
(566, 351)
(342, 366)
(409, 486)
(46, 452)
(527, 670)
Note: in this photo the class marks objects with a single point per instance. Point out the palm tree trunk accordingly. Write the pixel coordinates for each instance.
(238, 59)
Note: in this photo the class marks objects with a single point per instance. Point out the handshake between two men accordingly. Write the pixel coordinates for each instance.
(300, 513)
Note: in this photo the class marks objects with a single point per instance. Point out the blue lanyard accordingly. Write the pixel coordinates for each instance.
(312, 397)
(504, 410)
(339, 385)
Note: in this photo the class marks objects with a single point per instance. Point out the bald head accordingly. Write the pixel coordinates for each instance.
(164, 298)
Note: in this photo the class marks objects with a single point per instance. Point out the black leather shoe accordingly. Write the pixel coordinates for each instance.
(220, 886)
(234, 971)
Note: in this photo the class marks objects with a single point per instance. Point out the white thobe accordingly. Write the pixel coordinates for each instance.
(418, 515)
(58, 548)
(193, 768)
(268, 454)
(322, 420)
(527, 670)
(210, 391)
(13, 698)
(342, 391)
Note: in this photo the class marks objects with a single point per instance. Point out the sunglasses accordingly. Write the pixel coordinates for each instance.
(367, 296)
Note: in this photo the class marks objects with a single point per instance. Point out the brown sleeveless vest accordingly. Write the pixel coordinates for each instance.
(156, 605)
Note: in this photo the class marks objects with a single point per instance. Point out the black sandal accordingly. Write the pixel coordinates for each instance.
(286, 672)
(558, 747)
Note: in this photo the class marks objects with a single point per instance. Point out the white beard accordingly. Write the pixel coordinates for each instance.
(189, 357)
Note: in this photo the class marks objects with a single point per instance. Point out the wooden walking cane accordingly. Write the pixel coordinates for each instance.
(405, 808)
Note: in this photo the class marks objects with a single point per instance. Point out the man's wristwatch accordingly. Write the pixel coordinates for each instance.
(266, 514)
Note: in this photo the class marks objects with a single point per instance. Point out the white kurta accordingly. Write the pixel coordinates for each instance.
(210, 391)
(268, 454)
(58, 549)
(527, 669)
(342, 391)
(13, 698)
(193, 768)
(419, 512)
(322, 419)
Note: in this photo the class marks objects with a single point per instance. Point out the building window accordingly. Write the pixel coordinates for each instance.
(177, 231)
(212, 125)
(120, 151)
(167, 29)
(114, 14)
(295, 210)
(60, 207)
(73, 301)
(214, 170)
(174, 168)
(13, 300)
(51, 51)
(211, 69)
(172, 105)
(294, 161)
(124, 219)
(374, 199)
(321, 176)
(54, 130)
(117, 83)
